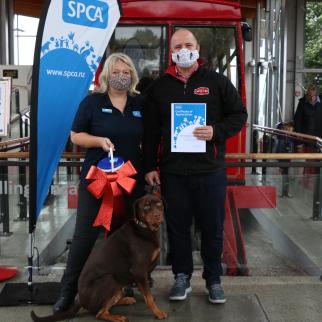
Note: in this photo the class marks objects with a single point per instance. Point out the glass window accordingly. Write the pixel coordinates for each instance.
(218, 49)
(313, 35)
(25, 32)
(146, 45)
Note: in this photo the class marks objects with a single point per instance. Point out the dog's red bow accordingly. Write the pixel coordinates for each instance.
(110, 186)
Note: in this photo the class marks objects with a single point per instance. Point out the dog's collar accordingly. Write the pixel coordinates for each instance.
(140, 223)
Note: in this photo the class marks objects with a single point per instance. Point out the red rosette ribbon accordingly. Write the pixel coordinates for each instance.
(110, 187)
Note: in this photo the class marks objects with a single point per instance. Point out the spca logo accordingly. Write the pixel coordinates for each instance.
(92, 13)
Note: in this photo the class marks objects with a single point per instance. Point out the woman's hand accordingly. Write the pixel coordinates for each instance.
(106, 144)
(91, 141)
(204, 133)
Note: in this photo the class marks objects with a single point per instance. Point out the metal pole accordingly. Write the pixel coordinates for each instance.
(317, 198)
(255, 85)
(22, 199)
(4, 201)
(10, 32)
(26, 122)
(254, 147)
(30, 262)
(20, 126)
(265, 150)
(4, 36)
(285, 183)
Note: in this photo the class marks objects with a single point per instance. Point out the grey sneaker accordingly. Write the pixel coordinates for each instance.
(180, 288)
(216, 294)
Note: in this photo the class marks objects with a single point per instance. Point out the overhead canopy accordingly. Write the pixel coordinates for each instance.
(30, 8)
(33, 7)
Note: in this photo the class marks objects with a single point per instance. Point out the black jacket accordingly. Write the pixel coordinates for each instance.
(308, 118)
(225, 112)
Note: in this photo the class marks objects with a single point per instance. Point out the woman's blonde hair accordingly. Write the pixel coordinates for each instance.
(107, 69)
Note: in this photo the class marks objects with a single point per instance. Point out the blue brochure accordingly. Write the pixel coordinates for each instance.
(185, 117)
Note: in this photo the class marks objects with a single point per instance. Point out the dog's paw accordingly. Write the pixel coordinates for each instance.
(121, 318)
(127, 301)
(116, 318)
(161, 315)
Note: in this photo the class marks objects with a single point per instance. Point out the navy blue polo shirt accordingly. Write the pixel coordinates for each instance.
(97, 116)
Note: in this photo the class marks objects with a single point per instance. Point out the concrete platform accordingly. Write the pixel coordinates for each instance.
(249, 299)
(290, 226)
(54, 226)
(277, 245)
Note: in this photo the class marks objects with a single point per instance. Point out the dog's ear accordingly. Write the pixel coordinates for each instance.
(135, 207)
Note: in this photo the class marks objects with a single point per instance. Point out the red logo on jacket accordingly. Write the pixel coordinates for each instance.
(201, 91)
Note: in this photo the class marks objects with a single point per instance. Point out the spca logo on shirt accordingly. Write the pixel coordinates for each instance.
(92, 13)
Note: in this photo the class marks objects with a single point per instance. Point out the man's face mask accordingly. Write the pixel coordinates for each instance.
(120, 82)
(185, 58)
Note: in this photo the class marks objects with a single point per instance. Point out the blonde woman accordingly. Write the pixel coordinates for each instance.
(109, 118)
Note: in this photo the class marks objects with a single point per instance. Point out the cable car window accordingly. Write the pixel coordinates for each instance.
(146, 45)
(218, 49)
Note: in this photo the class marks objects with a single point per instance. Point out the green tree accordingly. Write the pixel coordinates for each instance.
(313, 42)
(313, 37)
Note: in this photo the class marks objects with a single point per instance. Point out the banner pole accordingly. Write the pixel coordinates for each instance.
(33, 142)
(30, 263)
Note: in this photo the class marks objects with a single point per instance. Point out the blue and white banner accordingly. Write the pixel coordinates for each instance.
(72, 36)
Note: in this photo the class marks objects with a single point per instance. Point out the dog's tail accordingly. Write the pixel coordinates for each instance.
(69, 314)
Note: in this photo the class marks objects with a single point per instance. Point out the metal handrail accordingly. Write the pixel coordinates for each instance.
(239, 156)
(296, 135)
(13, 142)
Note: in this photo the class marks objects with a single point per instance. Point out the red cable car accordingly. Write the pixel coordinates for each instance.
(145, 29)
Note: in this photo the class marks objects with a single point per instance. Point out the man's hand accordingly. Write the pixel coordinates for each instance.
(204, 132)
(152, 178)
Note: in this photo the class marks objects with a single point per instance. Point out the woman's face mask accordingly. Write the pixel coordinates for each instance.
(185, 58)
(120, 82)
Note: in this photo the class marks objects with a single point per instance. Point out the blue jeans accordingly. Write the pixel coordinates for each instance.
(202, 196)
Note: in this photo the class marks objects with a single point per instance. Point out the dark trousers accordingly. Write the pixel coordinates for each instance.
(202, 196)
(85, 235)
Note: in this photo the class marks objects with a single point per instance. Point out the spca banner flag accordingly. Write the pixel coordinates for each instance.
(71, 40)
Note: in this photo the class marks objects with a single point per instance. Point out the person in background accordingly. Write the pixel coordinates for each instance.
(109, 118)
(308, 120)
(308, 115)
(193, 184)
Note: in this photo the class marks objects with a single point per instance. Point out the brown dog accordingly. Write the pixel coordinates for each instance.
(128, 255)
